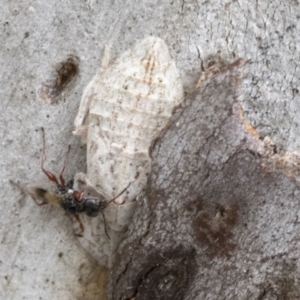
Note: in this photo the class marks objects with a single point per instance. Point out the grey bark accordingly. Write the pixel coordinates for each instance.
(217, 220)
(40, 257)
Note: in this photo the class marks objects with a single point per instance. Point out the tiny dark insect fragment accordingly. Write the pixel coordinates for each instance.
(72, 201)
(66, 72)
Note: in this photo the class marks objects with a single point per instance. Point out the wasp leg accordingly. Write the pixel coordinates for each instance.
(105, 227)
(38, 203)
(50, 175)
(77, 218)
(61, 178)
(113, 199)
(34, 193)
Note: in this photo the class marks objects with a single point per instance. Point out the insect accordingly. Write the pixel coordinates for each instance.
(65, 73)
(122, 110)
(72, 201)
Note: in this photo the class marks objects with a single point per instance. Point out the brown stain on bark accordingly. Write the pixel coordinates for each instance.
(213, 226)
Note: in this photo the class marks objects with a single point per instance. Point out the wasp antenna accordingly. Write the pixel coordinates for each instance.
(113, 199)
(105, 228)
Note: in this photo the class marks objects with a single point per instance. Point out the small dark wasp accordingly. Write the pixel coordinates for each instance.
(72, 201)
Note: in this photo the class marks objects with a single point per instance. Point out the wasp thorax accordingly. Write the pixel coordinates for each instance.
(92, 206)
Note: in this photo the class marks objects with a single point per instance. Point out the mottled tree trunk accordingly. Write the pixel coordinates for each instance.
(219, 217)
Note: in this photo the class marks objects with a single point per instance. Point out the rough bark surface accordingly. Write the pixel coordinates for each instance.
(217, 220)
(40, 258)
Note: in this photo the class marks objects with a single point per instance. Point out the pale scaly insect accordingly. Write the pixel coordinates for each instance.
(122, 111)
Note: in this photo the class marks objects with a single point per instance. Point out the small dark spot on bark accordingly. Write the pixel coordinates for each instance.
(295, 91)
(290, 28)
(65, 73)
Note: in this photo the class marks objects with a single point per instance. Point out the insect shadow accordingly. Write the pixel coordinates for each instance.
(72, 201)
